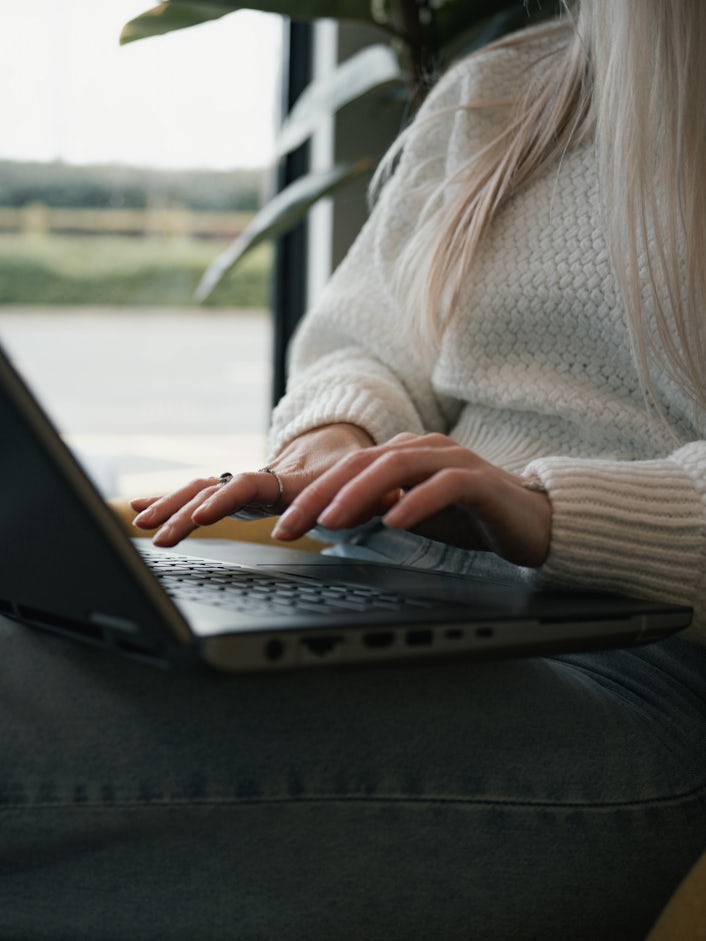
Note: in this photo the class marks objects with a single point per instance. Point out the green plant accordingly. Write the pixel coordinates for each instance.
(63, 185)
(419, 38)
(114, 271)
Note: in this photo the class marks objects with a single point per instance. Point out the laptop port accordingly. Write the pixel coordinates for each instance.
(379, 639)
(322, 646)
(419, 638)
(274, 650)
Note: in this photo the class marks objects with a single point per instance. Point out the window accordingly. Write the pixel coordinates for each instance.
(123, 170)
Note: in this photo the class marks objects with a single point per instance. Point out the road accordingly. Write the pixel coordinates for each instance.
(145, 395)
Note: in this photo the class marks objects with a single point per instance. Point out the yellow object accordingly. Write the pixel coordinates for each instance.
(684, 916)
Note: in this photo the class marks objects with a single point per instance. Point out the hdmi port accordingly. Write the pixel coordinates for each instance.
(379, 639)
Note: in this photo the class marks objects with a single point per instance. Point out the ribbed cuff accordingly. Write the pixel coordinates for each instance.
(382, 416)
(632, 527)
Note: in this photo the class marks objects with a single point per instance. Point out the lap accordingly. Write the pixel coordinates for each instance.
(408, 801)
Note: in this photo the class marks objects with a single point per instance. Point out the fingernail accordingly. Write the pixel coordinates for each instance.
(163, 537)
(287, 524)
(198, 511)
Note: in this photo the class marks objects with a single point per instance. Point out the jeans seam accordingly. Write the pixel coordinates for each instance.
(505, 803)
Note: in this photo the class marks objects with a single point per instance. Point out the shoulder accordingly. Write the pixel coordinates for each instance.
(473, 99)
(463, 113)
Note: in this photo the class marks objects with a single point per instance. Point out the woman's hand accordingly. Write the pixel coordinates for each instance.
(432, 486)
(204, 501)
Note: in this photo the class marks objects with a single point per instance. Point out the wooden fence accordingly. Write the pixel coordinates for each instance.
(37, 219)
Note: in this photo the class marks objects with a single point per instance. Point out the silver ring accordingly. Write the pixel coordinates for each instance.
(225, 478)
(280, 495)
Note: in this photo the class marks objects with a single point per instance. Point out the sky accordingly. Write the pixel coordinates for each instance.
(204, 97)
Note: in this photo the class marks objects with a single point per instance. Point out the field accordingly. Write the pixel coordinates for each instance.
(115, 270)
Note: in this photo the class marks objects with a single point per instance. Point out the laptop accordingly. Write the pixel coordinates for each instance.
(69, 568)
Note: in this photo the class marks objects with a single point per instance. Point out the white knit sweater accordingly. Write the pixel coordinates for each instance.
(535, 373)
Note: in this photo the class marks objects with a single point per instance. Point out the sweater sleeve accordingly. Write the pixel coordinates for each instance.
(355, 356)
(635, 527)
(351, 359)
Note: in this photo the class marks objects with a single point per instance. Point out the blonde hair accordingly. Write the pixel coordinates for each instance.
(633, 73)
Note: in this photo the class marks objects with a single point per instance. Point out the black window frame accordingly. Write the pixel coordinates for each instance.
(290, 264)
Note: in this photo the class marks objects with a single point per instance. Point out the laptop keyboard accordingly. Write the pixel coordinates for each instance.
(253, 592)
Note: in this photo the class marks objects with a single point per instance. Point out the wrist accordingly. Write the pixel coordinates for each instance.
(338, 436)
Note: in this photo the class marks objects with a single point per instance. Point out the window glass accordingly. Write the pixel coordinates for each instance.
(123, 172)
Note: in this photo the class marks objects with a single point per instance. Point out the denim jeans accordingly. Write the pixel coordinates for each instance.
(549, 798)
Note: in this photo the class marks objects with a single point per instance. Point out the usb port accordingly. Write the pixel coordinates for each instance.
(379, 639)
(419, 638)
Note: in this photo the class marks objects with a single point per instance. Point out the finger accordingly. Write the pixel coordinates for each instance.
(141, 503)
(344, 497)
(440, 491)
(183, 522)
(161, 509)
(432, 439)
(180, 524)
(399, 469)
(259, 489)
(304, 510)
(494, 512)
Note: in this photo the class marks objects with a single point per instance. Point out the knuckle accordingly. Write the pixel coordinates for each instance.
(436, 440)
(453, 477)
(403, 438)
(200, 483)
(315, 489)
(394, 461)
(355, 460)
(461, 482)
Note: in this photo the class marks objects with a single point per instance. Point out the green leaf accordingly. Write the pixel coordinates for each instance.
(283, 212)
(372, 67)
(180, 14)
(166, 17)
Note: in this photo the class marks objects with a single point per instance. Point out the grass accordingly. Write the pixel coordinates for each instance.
(115, 270)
